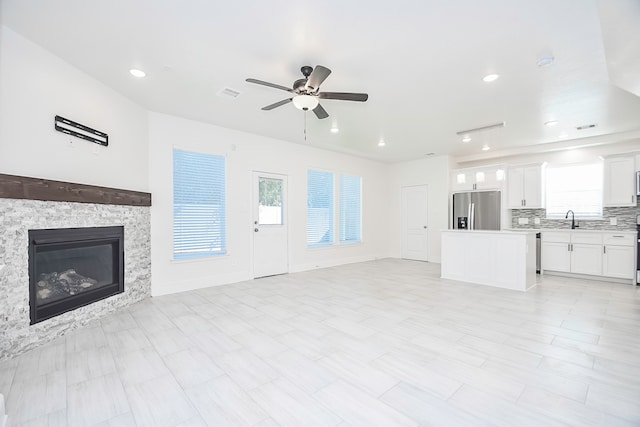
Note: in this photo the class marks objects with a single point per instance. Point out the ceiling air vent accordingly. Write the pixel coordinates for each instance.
(231, 93)
(583, 127)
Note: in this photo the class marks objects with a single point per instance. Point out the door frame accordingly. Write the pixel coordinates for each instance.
(403, 225)
(254, 174)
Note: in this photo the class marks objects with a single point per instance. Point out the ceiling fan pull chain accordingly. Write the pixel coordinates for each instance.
(305, 126)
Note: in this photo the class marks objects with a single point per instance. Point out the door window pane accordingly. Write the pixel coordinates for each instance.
(270, 201)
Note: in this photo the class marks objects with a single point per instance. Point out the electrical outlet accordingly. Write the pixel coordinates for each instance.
(536, 221)
(523, 221)
(613, 221)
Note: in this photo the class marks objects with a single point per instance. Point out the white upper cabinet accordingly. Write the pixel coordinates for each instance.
(524, 187)
(481, 178)
(619, 187)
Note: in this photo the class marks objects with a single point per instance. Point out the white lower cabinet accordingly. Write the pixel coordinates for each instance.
(619, 255)
(593, 253)
(586, 259)
(556, 256)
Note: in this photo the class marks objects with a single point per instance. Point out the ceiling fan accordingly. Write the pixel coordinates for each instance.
(306, 91)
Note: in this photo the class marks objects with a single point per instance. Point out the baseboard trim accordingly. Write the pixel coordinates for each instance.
(588, 277)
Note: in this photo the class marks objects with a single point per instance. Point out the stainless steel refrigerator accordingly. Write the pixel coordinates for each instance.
(478, 210)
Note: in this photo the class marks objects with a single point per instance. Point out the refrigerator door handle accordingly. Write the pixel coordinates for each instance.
(469, 220)
(473, 215)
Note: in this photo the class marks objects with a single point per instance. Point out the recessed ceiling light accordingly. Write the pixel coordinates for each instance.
(491, 77)
(486, 148)
(381, 144)
(334, 130)
(137, 73)
(551, 123)
(467, 138)
(545, 61)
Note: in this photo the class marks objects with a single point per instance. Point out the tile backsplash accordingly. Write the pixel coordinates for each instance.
(625, 216)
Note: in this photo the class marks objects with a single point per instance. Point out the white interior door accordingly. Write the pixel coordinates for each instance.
(270, 225)
(414, 223)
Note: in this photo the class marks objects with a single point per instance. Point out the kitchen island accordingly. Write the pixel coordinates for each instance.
(504, 259)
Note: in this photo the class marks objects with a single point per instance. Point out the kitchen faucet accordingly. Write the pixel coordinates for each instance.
(573, 222)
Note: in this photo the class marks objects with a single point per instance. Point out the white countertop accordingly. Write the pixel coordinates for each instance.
(504, 231)
(575, 230)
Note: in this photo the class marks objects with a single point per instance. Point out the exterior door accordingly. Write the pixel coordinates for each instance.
(414, 223)
(270, 225)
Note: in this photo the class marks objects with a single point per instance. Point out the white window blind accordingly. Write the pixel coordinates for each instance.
(319, 208)
(574, 187)
(350, 209)
(199, 214)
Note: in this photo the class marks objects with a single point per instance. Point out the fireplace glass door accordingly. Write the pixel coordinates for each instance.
(73, 267)
(63, 271)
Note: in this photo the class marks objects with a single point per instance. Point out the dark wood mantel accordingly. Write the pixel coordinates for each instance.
(21, 187)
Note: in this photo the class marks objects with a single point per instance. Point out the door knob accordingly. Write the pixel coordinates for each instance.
(256, 230)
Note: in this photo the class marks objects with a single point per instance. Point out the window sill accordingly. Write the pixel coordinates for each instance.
(335, 245)
(200, 259)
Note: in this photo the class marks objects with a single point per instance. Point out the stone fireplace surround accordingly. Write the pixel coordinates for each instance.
(86, 206)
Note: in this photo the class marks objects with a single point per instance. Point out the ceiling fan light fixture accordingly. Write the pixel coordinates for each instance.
(305, 102)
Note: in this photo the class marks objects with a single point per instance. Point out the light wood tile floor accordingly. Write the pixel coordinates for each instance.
(384, 343)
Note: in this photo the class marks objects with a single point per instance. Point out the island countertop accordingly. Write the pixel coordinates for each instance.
(504, 231)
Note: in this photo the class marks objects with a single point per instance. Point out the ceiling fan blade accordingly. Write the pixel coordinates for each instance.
(277, 104)
(321, 113)
(318, 75)
(344, 96)
(273, 85)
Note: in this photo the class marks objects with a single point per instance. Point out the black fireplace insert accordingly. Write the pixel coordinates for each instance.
(73, 267)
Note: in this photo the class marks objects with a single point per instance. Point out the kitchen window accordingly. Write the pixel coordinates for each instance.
(576, 187)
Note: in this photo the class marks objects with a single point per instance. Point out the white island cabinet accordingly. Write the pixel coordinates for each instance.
(504, 259)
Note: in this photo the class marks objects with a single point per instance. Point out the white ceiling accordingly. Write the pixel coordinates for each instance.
(421, 62)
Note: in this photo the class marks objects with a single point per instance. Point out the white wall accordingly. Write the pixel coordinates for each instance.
(246, 153)
(35, 86)
(433, 172)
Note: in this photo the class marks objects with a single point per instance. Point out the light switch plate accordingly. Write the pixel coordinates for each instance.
(613, 221)
(536, 221)
(523, 221)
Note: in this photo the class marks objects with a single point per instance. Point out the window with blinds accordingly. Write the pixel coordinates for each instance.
(319, 208)
(574, 187)
(199, 213)
(350, 209)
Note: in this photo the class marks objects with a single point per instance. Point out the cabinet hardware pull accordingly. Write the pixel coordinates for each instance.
(618, 236)
(605, 249)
